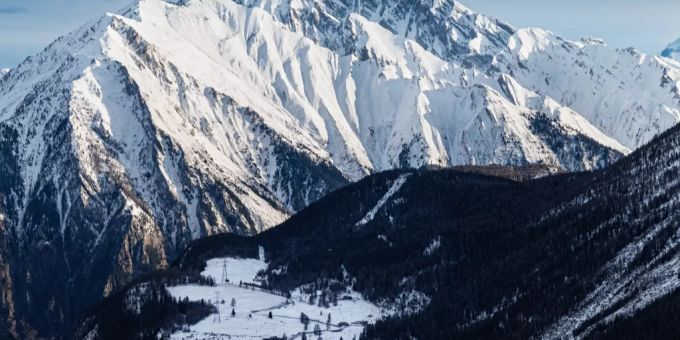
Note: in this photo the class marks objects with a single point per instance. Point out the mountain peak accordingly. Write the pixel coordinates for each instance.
(593, 41)
(451, 5)
(672, 50)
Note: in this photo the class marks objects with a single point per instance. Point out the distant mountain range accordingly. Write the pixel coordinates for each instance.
(141, 131)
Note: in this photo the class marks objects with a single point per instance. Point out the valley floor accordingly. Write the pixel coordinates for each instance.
(252, 305)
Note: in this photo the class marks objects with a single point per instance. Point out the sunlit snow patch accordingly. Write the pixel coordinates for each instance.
(251, 307)
(433, 246)
(237, 270)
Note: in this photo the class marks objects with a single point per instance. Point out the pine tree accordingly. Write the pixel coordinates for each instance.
(233, 302)
(322, 300)
(233, 312)
(270, 315)
(304, 319)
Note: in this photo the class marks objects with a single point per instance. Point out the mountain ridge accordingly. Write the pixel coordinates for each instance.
(172, 120)
(672, 50)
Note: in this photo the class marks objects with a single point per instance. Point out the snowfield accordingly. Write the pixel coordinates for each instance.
(252, 307)
(238, 270)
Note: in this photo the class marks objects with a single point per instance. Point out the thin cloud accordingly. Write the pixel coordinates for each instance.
(12, 10)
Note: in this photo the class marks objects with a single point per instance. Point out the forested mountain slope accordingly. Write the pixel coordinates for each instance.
(471, 256)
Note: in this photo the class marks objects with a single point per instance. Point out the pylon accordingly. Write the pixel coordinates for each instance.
(224, 272)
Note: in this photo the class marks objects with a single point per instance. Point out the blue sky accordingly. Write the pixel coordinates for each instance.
(26, 26)
(648, 25)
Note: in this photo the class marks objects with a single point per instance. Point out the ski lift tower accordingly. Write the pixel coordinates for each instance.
(225, 278)
(216, 303)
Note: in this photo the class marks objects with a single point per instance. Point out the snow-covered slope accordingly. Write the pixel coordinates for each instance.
(599, 83)
(672, 50)
(171, 120)
(627, 95)
(251, 307)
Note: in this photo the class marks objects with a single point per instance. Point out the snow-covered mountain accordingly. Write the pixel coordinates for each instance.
(4, 71)
(672, 50)
(171, 120)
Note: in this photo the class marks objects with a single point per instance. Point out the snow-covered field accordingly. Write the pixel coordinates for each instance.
(237, 269)
(251, 319)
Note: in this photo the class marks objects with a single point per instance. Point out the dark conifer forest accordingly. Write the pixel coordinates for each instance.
(512, 258)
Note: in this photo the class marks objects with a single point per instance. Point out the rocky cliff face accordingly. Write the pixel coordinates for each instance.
(98, 185)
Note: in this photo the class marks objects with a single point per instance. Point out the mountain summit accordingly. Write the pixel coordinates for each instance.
(672, 50)
(171, 120)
